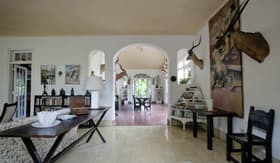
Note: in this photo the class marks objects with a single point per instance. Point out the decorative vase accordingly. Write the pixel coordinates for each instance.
(62, 92)
(53, 92)
(72, 92)
(87, 93)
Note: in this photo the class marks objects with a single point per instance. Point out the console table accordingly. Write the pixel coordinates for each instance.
(210, 126)
(25, 132)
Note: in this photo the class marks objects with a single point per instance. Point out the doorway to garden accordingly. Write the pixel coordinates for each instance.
(141, 71)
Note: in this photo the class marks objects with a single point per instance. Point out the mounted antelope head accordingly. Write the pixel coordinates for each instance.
(120, 71)
(253, 44)
(193, 57)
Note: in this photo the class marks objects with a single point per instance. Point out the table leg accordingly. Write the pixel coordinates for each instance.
(96, 128)
(229, 118)
(32, 150)
(34, 154)
(209, 132)
(229, 141)
(53, 148)
(194, 124)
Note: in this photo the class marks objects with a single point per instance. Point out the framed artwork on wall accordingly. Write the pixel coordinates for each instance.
(225, 63)
(72, 74)
(48, 74)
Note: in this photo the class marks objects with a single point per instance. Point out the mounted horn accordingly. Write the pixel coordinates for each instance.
(253, 44)
(193, 57)
(194, 46)
(233, 21)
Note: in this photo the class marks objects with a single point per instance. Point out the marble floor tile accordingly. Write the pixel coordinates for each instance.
(146, 144)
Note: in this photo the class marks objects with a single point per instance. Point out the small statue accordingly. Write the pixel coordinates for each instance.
(72, 92)
(62, 92)
(53, 92)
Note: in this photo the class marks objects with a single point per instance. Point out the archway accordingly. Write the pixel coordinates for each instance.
(137, 54)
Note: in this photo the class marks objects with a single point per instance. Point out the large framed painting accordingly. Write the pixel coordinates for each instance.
(225, 63)
(48, 74)
(72, 74)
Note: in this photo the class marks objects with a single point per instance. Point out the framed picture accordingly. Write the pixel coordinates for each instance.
(72, 74)
(48, 74)
(225, 63)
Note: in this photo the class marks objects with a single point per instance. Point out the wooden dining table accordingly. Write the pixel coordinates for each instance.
(142, 101)
(26, 132)
(210, 114)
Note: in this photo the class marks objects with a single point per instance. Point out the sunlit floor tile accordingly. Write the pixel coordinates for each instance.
(146, 144)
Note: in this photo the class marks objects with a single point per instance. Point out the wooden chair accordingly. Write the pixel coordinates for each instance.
(148, 103)
(258, 119)
(8, 112)
(136, 103)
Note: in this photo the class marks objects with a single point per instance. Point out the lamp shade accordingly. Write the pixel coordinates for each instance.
(94, 83)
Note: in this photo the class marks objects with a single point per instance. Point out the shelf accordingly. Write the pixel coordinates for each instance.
(192, 98)
(54, 102)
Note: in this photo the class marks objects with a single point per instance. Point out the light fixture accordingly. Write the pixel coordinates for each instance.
(94, 84)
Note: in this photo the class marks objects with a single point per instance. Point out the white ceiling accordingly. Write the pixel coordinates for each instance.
(141, 57)
(104, 17)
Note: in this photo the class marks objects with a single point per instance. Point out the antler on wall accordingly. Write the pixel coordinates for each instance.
(193, 57)
(253, 44)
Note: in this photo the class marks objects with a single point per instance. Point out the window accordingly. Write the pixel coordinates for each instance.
(184, 67)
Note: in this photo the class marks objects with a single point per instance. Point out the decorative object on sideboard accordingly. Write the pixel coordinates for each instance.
(62, 92)
(44, 91)
(72, 92)
(192, 56)
(94, 84)
(173, 78)
(87, 93)
(53, 92)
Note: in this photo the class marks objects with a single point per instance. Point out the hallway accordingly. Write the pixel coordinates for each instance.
(126, 116)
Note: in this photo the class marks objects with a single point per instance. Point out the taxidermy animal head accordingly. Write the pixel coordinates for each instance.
(193, 57)
(253, 44)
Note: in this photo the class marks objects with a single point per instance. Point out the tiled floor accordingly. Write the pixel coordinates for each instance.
(128, 117)
(147, 144)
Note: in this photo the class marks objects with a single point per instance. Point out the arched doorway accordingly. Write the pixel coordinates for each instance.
(147, 60)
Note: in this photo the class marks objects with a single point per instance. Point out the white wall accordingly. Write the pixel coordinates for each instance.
(75, 50)
(261, 80)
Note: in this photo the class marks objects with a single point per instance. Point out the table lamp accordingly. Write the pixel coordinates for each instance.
(94, 84)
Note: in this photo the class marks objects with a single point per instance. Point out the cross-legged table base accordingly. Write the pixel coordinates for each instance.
(26, 132)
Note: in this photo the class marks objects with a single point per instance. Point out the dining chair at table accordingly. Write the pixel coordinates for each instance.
(148, 103)
(8, 112)
(258, 119)
(136, 103)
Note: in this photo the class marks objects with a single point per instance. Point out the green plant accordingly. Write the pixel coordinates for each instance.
(185, 80)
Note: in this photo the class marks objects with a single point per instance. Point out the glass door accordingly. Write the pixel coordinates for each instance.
(142, 87)
(20, 89)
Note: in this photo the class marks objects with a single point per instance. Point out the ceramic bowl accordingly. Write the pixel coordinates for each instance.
(46, 117)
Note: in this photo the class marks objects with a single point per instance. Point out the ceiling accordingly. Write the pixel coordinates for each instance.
(141, 57)
(104, 17)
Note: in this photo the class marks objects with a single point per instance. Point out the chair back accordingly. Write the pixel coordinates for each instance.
(135, 100)
(262, 120)
(8, 112)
